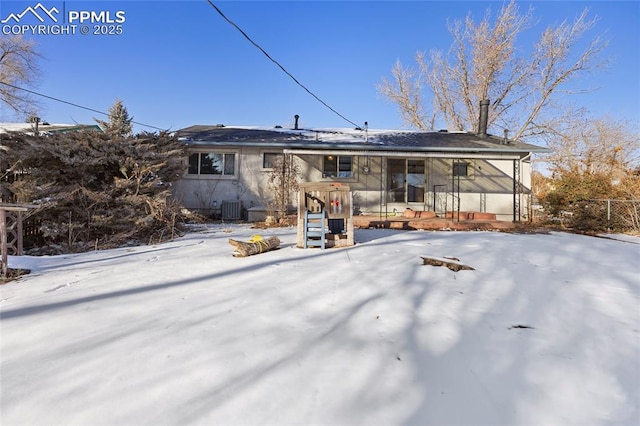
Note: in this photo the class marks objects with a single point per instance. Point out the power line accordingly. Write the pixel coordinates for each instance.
(75, 105)
(278, 64)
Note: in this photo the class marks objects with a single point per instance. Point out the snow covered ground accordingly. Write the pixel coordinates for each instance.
(545, 330)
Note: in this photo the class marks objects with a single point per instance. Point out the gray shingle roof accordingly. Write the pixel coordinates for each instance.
(348, 139)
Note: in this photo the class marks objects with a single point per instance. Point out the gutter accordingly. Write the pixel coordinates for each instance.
(369, 149)
(410, 154)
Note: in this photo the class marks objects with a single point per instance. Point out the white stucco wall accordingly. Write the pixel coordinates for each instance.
(248, 184)
(489, 188)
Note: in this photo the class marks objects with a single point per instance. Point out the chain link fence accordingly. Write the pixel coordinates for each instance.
(598, 215)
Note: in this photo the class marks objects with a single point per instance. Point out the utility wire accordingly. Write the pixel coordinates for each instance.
(75, 105)
(278, 64)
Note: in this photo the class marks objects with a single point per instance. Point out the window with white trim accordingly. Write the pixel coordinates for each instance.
(212, 163)
(340, 166)
(269, 159)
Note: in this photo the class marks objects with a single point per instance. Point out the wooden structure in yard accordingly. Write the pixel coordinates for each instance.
(11, 232)
(325, 215)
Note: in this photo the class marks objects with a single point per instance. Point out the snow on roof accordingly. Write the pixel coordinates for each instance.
(348, 138)
(329, 134)
(343, 135)
(42, 127)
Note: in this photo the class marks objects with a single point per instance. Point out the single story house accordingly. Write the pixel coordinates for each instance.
(387, 171)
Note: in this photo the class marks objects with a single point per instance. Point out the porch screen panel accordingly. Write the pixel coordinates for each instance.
(329, 166)
(396, 177)
(344, 167)
(415, 181)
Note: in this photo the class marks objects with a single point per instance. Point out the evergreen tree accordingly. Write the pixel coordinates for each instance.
(119, 123)
(95, 190)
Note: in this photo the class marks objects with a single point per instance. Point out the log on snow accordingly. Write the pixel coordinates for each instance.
(450, 262)
(242, 249)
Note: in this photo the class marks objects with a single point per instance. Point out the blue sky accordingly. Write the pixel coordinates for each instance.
(178, 63)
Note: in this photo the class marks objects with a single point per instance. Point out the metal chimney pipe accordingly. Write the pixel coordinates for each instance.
(296, 125)
(484, 117)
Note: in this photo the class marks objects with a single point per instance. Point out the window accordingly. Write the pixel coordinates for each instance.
(270, 158)
(212, 164)
(461, 169)
(340, 166)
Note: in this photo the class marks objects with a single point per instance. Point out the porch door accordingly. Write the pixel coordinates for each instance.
(415, 181)
(405, 180)
(396, 179)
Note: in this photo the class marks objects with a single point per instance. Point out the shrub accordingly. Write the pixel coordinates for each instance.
(96, 190)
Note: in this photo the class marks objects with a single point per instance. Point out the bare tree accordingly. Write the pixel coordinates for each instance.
(592, 161)
(18, 68)
(483, 63)
(594, 146)
(406, 91)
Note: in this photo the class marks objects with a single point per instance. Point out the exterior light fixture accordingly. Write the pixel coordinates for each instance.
(366, 169)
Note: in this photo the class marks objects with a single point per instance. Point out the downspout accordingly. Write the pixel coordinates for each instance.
(383, 191)
(530, 195)
(284, 188)
(453, 190)
(459, 199)
(514, 190)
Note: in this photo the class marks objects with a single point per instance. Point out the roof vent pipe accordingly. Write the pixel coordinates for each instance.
(295, 127)
(366, 132)
(484, 117)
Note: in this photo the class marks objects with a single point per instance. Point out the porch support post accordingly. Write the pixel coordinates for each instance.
(3, 242)
(516, 191)
(20, 234)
